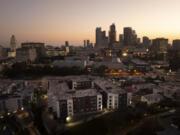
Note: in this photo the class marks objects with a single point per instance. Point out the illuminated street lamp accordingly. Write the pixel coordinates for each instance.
(68, 119)
(124, 54)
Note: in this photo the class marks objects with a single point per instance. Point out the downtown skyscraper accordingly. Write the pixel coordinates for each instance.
(101, 39)
(130, 36)
(112, 35)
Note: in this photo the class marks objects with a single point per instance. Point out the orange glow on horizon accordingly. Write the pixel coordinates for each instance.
(54, 22)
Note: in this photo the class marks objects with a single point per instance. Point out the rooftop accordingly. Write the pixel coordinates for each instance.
(139, 62)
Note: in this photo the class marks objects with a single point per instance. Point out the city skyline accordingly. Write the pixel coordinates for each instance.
(58, 21)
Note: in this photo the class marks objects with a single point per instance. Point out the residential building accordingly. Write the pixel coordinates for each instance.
(72, 95)
(113, 96)
(76, 96)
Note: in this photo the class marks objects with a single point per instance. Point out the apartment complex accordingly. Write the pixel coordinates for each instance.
(78, 95)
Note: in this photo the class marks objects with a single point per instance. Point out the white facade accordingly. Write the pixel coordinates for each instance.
(70, 107)
(112, 101)
(64, 89)
(129, 99)
(99, 103)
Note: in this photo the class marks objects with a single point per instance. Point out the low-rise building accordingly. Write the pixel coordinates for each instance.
(40, 48)
(26, 54)
(10, 103)
(142, 86)
(151, 98)
(75, 61)
(14, 96)
(167, 89)
(139, 65)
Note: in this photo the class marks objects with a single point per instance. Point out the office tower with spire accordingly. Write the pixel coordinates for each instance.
(112, 35)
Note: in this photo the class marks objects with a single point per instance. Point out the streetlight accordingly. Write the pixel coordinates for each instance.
(124, 54)
(68, 119)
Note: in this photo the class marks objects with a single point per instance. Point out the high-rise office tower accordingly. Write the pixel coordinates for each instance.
(101, 39)
(130, 36)
(1, 52)
(159, 48)
(135, 39)
(66, 43)
(138, 41)
(88, 42)
(121, 38)
(146, 41)
(176, 44)
(85, 43)
(98, 35)
(160, 45)
(112, 35)
(13, 44)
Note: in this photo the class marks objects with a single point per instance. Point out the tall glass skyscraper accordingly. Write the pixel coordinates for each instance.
(112, 35)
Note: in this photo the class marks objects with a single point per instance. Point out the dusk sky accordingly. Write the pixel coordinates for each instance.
(54, 21)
